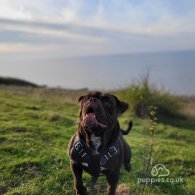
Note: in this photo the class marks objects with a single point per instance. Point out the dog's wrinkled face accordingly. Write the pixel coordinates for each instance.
(99, 112)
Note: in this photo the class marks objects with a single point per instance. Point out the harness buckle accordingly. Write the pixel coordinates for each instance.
(106, 157)
(79, 147)
(112, 151)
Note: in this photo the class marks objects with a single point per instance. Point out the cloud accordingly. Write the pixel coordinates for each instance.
(105, 26)
(46, 31)
(20, 47)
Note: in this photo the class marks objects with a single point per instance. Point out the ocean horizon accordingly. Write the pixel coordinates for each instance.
(172, 71)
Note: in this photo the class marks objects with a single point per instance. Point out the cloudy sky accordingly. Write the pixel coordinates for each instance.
(66, 28)
(62, 42)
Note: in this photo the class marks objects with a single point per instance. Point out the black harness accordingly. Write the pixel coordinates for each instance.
(81, 153)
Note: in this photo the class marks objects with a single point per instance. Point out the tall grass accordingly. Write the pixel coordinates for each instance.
(141, 95)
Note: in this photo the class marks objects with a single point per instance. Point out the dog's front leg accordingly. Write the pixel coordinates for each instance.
(78, 181)
(112, 180)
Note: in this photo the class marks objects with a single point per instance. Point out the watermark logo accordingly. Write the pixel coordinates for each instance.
(159, 170)
(160, 174)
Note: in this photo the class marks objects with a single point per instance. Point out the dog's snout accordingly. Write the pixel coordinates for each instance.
(93, 99)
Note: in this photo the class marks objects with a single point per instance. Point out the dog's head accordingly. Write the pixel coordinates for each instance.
(99, 112)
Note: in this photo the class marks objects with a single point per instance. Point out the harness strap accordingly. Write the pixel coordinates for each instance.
(80, 149)
(112, 151)
(84, 152)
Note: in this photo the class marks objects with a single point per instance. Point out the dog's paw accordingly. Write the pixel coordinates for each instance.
(81, 191)
(91, 184)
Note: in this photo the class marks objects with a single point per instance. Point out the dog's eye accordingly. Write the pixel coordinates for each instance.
(107, 102)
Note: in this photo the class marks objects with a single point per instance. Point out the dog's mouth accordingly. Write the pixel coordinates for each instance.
(91, 119)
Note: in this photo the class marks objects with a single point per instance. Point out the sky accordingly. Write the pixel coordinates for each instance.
(56, 28)
(44, 41)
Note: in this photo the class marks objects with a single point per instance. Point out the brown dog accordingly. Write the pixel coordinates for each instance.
(99, 147)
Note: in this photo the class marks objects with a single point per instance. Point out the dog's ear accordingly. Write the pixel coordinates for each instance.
(80, 98)
(121, 106)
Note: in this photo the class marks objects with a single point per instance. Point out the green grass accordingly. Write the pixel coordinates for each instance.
(37, 124)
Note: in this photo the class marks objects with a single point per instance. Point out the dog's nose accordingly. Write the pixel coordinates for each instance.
(93, 99)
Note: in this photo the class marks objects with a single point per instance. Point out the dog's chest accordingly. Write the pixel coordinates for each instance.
(96, 142)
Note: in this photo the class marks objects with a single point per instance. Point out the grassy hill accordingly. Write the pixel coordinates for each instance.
(16, 82)
(36, 125)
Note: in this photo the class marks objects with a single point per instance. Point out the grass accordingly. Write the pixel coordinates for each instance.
(37, 124)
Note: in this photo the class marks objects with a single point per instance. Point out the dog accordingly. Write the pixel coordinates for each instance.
(98, 147)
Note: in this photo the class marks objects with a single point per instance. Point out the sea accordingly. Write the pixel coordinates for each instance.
(171, 71)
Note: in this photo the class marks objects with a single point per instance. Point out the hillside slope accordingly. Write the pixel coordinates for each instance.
(16, 82)
(35, 129)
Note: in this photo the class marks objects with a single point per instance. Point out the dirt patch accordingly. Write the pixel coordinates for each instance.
(123, 189)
